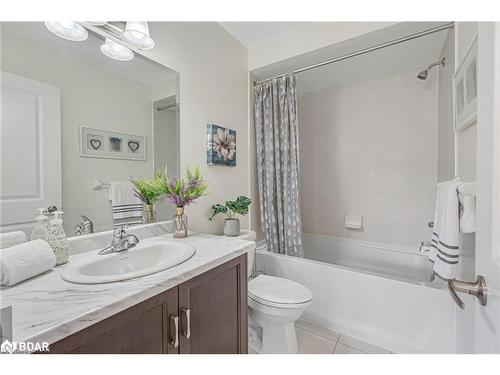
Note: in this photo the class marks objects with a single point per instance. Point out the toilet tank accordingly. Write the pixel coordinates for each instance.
(249, 235)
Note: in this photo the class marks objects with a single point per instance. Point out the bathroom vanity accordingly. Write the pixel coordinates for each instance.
(207, 314)
(198, 306)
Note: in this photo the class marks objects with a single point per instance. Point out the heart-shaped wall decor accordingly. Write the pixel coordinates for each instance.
(96, 144)
(133, 145)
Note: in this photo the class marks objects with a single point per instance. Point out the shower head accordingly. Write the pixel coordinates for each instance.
(424, 73)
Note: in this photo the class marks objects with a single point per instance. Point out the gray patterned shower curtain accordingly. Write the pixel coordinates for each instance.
(277, 140)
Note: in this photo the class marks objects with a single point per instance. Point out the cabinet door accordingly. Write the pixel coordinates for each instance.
(141, 329)
(213, 310)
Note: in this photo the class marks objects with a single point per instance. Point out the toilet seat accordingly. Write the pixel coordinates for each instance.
(278, 292)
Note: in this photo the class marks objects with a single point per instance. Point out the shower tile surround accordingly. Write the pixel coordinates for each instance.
(381, 163)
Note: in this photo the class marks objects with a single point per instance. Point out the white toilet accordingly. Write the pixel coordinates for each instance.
(275, 304)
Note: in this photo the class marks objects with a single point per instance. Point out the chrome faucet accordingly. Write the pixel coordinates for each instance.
(121, 241)
(423, 245)
(85, 227)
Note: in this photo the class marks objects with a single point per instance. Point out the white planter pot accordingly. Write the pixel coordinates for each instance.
(232, 227)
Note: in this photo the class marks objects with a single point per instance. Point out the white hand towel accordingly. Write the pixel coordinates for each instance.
(12, 239)
(445, 246)
(21, 262)
(467, 197)
(126, 207)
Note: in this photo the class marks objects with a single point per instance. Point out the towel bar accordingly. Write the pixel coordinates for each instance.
(98, 184)
(476, 288)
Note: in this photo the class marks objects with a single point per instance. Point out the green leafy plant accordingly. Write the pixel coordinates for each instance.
(231, 208)
(181, 192)
(145, 191)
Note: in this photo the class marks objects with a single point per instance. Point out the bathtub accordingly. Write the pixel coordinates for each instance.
(380, 294)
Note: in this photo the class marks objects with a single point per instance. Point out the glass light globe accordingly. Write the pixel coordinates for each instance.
(69, 30)
(137, 34)
(116, 51)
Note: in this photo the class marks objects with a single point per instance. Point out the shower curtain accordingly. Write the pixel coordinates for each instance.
(277, 141)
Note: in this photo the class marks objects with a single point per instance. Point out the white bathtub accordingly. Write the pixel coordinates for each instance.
(374, 293)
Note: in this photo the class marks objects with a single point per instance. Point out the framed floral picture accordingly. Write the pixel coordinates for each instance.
(221, 146)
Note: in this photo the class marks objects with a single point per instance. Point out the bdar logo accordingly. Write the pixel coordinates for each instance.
(24, 347)
(8, 347)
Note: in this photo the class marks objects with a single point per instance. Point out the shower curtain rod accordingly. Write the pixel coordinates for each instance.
(365, 50)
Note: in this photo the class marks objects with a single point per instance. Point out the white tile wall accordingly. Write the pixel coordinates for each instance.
(370, 149)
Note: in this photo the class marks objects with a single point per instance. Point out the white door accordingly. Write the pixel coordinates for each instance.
(487, 318)
(30, 150)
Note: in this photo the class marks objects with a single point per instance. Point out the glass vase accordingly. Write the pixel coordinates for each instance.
(180, 223)
(149, 214)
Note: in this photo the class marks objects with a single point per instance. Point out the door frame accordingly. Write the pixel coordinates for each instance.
(487, 258)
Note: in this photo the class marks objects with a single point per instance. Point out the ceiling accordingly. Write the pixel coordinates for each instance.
(251, 33)
(268, 42)
(139, 69)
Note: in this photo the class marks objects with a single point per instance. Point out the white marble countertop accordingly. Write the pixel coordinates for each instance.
(47, 308)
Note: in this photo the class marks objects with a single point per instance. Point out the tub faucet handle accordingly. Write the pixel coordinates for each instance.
(476, 288)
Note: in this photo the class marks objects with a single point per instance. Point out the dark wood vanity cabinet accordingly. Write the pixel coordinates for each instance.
(217, 305)
(207, 314)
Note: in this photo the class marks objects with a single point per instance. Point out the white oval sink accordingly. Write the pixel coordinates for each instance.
(149, 256)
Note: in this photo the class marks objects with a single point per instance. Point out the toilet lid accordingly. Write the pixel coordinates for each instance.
(278, 290)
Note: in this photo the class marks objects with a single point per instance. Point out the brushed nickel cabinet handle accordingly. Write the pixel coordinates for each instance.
(174, 321)
(186, 330)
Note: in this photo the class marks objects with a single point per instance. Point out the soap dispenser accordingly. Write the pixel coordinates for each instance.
(57, 240)
(41, 226)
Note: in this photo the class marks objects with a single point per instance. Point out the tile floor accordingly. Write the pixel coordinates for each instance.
(313, 339)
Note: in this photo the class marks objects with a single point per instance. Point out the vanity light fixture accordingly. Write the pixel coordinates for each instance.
(116, 51)
(69, 30)
(137, 34)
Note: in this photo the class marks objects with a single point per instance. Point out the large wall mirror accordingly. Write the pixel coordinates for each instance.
(74, 120)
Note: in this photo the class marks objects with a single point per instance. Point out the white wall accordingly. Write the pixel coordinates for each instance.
(446, 133)
(93, 98)
(166, 89)
(255, 222)
(370, 149)
(166, 130)
(213, 70)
